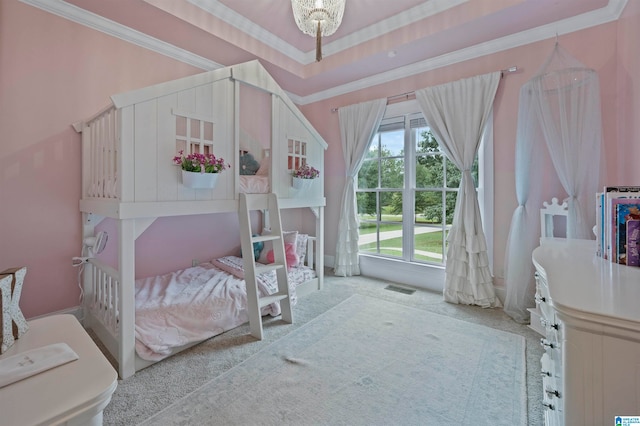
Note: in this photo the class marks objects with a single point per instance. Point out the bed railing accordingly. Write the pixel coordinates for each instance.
(102, 293)
(100, 148)
(310, 258)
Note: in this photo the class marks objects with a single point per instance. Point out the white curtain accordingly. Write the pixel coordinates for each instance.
(525, 222)
(560, 104)
(568, 107)
(457, 113)
(358, 124)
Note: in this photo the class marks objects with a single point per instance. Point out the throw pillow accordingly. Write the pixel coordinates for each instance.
(248, 164)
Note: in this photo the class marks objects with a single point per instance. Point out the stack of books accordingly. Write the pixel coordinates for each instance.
(618, 224)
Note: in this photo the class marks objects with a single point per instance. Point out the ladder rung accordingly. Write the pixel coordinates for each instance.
(275, 297)
(263, 269)
(258, 238)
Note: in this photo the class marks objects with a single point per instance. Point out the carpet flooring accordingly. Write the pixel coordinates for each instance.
(150, 391)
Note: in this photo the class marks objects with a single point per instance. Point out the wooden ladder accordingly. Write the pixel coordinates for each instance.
(269, 202)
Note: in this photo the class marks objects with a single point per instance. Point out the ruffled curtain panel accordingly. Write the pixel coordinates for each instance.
(457, 113)
(358, 124)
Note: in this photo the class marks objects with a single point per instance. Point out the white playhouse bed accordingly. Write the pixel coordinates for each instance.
(127, 175)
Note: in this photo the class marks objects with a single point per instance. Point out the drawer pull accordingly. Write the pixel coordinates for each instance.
(548, 406)
(552, 393)
(548, 324)
(546, 344)
(540, 299)
(545, 373)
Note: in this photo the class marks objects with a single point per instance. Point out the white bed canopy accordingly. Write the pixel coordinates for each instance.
(560, 105)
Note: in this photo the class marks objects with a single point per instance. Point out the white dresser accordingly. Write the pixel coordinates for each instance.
(590, 311)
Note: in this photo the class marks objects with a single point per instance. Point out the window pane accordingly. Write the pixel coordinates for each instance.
(391, 240)
(392, 173)
(425, 141)
(453, 175)
(428, 207)
(392, 143)
(427, 244)
(391, 206)
(430, 171)
(451, 205)
(368, 175)
(367, 206)
(367, 242)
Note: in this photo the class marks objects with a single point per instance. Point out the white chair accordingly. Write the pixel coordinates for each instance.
(548, 215)
(547, 230)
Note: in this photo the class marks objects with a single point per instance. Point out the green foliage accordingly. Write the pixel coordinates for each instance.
(435, 173)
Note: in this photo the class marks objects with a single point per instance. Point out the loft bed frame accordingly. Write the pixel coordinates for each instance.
(128, 175)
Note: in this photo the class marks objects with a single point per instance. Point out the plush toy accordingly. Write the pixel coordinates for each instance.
(248, 164)
(257, 248)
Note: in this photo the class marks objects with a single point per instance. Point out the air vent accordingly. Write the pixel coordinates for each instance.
(400, 289)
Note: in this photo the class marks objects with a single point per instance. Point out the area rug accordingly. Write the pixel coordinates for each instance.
(368, 361)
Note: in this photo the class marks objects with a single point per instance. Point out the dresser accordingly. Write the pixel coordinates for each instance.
(73, 394)
(590, 313)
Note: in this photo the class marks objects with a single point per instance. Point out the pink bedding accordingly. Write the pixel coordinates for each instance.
(194, 304)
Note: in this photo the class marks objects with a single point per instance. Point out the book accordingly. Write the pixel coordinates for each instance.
(599, 223)
(609, 235)
(626, 209)
(633, 242)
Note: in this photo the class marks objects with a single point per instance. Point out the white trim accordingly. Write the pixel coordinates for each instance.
(76, 311)
(402, 19)
(486, 187)
(427, 277)
(609, 13)
(107, 26)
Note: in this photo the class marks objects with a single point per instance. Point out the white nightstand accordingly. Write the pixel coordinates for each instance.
(75, 393)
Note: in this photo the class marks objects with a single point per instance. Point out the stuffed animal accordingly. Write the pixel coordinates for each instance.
(257, 248)
(248, 164)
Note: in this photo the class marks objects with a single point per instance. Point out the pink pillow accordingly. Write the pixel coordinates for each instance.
(290, 254)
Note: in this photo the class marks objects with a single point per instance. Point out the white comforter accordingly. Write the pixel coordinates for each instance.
(194, 304)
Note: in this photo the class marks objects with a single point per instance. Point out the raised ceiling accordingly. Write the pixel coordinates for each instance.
(378, 41)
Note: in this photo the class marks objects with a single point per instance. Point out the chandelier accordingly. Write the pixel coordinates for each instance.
(318, 18)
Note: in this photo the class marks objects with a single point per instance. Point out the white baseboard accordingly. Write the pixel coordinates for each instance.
(75, 311)
(412, 274)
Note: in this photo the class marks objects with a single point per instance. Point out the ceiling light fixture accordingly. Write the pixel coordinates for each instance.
(318, 18)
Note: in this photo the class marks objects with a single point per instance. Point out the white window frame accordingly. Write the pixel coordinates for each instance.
(431, 276)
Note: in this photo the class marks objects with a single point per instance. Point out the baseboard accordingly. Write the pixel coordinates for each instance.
(412, 274)
(75, 311)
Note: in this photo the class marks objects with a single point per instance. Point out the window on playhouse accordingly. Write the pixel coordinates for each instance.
(296, 154)
(193, 134)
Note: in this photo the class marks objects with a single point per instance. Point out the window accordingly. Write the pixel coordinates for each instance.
(406, 193)
(296, 154)
(193, 134)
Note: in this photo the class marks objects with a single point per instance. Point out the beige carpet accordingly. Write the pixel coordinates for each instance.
(368, 361)
(161, 385)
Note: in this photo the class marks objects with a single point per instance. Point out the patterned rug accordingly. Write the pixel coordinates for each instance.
(368, 361)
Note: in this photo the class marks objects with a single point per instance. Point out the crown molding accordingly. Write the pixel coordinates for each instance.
(107, 26)
(586, 20)
(393, 23)
(409, 16)
(610, 13)
(253, 30)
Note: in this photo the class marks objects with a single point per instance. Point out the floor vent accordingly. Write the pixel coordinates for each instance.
(400, 289)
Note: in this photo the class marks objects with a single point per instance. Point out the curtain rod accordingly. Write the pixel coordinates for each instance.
(407, 94)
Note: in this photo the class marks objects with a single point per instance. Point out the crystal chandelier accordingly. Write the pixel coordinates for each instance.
(318, 18)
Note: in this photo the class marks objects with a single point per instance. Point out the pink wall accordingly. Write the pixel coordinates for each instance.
(55, 72)
(627, 98)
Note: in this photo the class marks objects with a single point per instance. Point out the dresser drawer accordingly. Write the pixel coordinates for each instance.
(552, 393)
